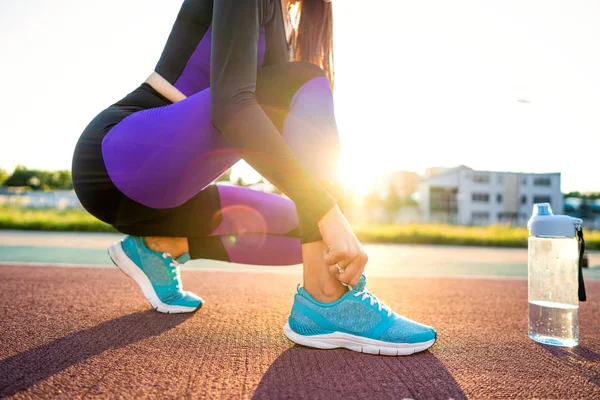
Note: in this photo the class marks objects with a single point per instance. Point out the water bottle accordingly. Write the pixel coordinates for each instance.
(554, 276)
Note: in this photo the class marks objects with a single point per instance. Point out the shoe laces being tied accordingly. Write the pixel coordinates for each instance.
(374, 300)
(174, 268)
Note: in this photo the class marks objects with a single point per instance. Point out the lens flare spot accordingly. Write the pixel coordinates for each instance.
(237, 220)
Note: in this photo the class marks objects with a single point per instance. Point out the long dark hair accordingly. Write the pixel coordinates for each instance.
(314, 36)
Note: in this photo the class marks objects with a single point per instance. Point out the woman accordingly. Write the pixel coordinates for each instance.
(224, 89)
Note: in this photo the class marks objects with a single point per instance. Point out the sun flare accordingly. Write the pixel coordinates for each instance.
(358, 180)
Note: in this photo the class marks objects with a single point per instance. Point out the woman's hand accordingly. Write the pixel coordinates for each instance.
(342, 247)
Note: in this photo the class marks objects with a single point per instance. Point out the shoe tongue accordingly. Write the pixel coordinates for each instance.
(362, 283)
(185, 257)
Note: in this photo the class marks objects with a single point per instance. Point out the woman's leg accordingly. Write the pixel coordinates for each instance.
(304, 114)
(222, 222)
(163, 159)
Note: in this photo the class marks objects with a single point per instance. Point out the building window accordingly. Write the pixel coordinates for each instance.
(523, 199)
(511, 217)
(442, 199)
(524, 181)
(481, 178)
(541, 181)
(480, 197)
(500, 178)
(499, 198)
(480, 216)
(541, 199)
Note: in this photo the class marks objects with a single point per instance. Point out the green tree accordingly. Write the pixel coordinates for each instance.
(40, 180)
(3, 176)
(20, 177)
(61, 180)
(588, 195)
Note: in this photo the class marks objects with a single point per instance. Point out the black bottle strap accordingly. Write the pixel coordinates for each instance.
(581, 290)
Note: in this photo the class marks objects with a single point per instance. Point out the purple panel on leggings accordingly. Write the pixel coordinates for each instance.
(196, 74)
(310, 129)
(162, 157)
(246, 210)
(262, 45)
(256, 249)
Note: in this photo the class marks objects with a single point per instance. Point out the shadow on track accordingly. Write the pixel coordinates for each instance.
(306, 373)
(581, 358)
(23, 370)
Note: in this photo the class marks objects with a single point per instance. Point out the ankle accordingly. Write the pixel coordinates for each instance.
(325, 292)
(173, 246)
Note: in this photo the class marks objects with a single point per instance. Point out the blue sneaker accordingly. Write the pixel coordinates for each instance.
(156, 273)
(357, 321)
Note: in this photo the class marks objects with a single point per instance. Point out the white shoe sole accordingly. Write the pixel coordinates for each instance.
(356, 343)
(124, 263)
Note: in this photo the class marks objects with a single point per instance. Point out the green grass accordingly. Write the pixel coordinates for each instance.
(504, 236)
(51, 220)
(495, 235)
(444, 234)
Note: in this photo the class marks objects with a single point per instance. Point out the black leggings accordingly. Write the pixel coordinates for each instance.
(146, 166)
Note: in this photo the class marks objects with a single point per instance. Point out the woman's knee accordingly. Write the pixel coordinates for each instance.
(298, 99)
(306, 70)
(277, 84)
(310, 128)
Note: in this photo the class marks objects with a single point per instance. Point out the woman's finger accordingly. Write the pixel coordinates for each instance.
(364, 259)
(349, 272)
(356, 278)
(332, 256)
(342, 276)
(354, 270)
(334, 268)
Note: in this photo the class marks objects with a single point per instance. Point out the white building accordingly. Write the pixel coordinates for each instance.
(465, 196)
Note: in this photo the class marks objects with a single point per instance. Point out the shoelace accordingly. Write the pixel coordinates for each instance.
(374, 300)
(175, 268)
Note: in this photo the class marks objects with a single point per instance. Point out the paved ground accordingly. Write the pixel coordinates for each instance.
(88, 332)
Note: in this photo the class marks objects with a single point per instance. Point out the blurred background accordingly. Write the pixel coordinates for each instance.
(451, 114)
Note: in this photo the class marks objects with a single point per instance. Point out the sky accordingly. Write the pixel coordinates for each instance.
(495, 85)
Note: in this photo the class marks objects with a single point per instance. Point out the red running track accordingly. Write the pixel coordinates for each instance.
(80, 332)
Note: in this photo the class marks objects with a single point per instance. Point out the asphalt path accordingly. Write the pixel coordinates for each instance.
(75, 327)
(71, 333)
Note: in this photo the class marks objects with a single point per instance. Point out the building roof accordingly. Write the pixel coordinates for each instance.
(464, 167)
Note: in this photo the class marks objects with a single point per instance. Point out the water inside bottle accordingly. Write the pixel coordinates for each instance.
(553, 282)
(555, 324)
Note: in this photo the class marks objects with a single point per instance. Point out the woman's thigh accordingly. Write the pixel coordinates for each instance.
(163, 157)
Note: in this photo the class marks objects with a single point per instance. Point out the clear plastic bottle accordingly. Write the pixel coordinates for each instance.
(553, 256)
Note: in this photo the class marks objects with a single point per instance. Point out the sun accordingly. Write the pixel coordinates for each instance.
(357, 179)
